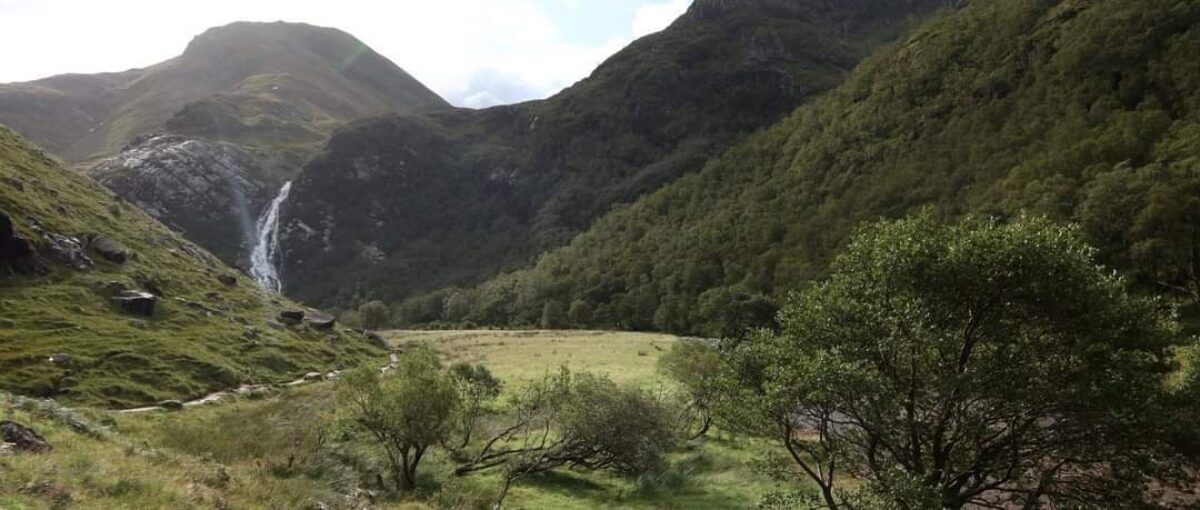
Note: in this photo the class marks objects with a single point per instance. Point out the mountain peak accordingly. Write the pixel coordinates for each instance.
(260, 37)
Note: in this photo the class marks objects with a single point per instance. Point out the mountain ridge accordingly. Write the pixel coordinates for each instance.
(397, 205)
(252, 103)
(997, 109)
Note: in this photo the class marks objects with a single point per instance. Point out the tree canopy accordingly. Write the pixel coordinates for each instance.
(976, 363)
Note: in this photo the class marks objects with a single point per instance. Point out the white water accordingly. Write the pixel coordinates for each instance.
(266, 247)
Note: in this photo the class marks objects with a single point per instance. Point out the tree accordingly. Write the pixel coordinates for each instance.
(976, 363)
(1147, 220)
(554, 315)
(696, 366)
(375, 315)
(476, 388)
(457, 307)
(407, 413)
(578, 421)
(580, 313)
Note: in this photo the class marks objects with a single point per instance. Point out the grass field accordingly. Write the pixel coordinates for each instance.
(521, 356)
(289, 451)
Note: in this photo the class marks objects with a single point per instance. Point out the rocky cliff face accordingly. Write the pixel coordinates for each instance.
(250, 103)
(209, 191)
(410, 203)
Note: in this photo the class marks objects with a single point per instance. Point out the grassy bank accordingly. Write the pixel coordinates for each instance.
(288, 450)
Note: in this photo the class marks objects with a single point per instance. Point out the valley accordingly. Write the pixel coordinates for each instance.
(771, 254)
(259, 450)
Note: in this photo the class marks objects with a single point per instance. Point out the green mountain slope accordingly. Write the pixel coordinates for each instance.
(203, 141)
(243, 82)
(411, 203)
(62, 333)
(1084, 110)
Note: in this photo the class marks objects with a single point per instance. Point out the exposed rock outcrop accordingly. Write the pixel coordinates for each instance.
(209, 191)
(291, 317)
(109, 249)
(17, 253)
(136, 302)
(318, 322)
(67, 250)
(22, 438)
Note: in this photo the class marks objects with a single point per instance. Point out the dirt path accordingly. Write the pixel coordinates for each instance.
(250, 389)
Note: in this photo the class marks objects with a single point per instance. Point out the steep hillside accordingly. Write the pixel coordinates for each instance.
(101, 304)
(1084, 110)
(270, 91)
(410, 203)
(235, 83)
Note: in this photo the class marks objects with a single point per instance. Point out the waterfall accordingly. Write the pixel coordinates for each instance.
(266, 248)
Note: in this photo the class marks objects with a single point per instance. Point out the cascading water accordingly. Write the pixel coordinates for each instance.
(266, 248)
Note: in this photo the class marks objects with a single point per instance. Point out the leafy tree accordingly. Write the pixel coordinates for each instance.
(696, 367)
(407, 412)
(375, 315)
(476, 388)
(1148, 219)
(457, 307)
(554, 315)
(580, 314)
(578, 421)
(976, 363)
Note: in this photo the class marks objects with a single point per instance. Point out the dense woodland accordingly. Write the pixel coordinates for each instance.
(1082, 111)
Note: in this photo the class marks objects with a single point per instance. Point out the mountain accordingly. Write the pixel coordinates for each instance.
(267, 93)
(1083, 110)
(100, 304)
(410, 203)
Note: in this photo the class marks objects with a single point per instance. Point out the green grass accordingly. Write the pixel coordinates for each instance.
(289, 451)
(197, 341)
(518, 357)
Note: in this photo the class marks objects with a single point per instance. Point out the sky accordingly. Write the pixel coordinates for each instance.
(474, 53)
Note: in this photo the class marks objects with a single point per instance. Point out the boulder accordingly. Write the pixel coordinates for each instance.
(67, 250)
(320, 323)
(22, 438)
(16, 252)
(59, 359)
(227, 280)
(171, 405)
(136, 302)
(291, 317)
(314, 376)
(109, 249)
(375, 339)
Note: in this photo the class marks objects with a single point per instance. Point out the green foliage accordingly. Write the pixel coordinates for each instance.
(375, 315)
(407, 412)
(204, 336)
(580, 421)
(1148, 219)
(971, 363)
(477, 388)
(696, 367)
(554, 315)
(1078, 110)
(455, 197)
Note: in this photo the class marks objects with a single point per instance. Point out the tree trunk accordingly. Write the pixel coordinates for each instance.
(503, 493)
(705, 424)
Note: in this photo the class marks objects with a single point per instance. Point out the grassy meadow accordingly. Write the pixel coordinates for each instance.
(289, 450)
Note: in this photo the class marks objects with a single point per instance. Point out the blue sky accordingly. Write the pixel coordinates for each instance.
(474, 53)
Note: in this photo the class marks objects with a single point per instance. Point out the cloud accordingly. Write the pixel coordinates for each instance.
(475, 53)
(655, 17)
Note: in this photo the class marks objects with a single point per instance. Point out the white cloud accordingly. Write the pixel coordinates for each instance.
(655, 17)
(473, 52)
